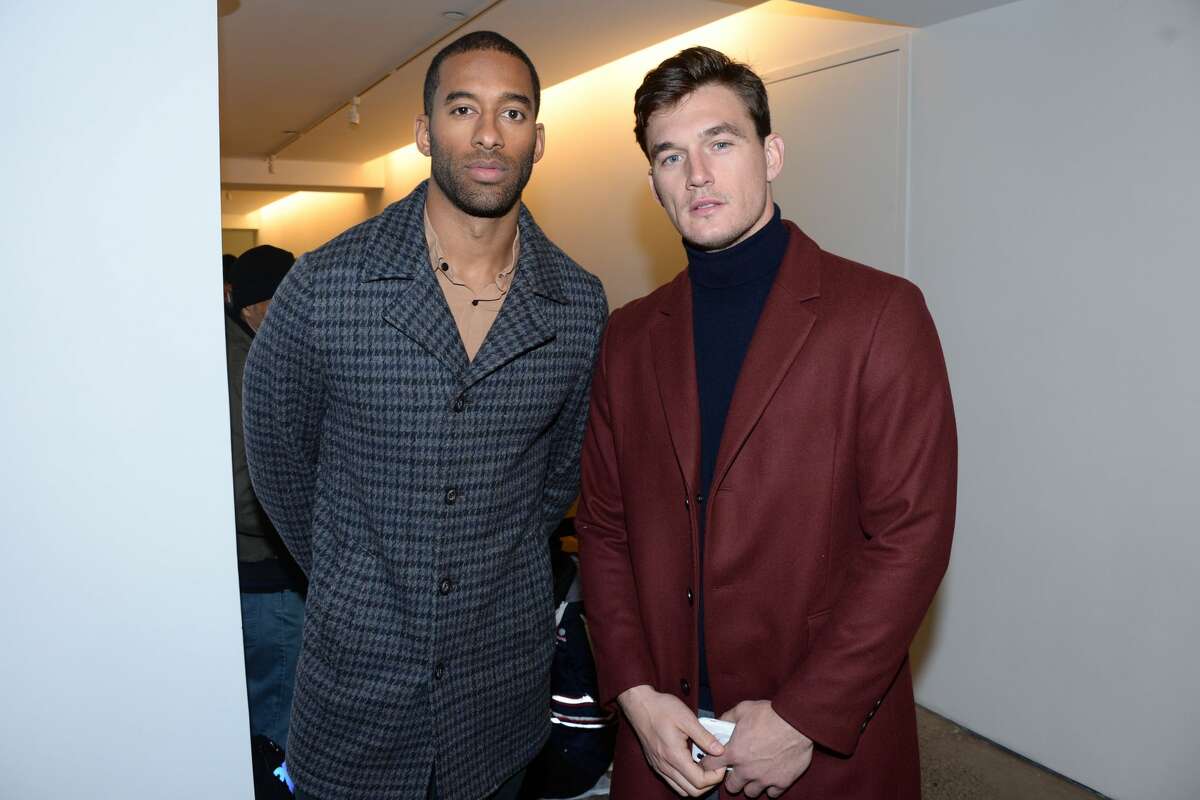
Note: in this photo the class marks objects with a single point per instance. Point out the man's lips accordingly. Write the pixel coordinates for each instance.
(487, 170)
(705, 205)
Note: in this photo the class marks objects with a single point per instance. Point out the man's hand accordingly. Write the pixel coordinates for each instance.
(766, 753)
(663, 725)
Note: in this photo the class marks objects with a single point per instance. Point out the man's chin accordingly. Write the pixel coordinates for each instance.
(491, 201)
(711, 241)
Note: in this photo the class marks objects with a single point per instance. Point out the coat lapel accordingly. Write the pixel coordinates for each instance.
(519, 328)
(675, 370)
(420, 313)
(522, 325)
(395, 252)
(786, 320)
(396, 249)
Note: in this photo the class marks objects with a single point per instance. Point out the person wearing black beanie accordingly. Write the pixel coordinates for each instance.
(227, 262)
(272, 586)
(255, 276)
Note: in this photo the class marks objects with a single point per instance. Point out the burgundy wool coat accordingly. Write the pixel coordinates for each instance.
(829, 518)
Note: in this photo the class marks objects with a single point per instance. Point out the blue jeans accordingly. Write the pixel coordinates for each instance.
(271, 626)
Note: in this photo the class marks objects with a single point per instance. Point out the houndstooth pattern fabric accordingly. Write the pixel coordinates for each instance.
(417, 489)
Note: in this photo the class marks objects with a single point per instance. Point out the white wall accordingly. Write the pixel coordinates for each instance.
(1055, 207)
(120, 660)
(304, 221)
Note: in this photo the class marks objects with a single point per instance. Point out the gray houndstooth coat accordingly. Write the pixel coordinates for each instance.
(417, 489)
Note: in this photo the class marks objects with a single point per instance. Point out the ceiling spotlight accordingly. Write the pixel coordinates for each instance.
(454, 15)
(354, 118)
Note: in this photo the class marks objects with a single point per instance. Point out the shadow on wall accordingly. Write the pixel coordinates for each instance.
(926, 639)
(655, 237)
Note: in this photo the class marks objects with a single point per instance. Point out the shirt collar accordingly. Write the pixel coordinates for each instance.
(437, 257)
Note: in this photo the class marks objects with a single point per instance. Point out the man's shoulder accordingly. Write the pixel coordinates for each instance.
(843, 285)
(863, 291)
(579, 287)
(383, 244)
(637, 314)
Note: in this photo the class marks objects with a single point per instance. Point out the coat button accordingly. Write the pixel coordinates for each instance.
(862, 727)
(451, 495)
(684, 686)
(460, 403)
(699, 499)
(439, 671)
(689, 596)
(687, 503)
(445, 586)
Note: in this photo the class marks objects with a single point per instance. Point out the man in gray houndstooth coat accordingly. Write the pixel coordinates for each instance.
(414, 405)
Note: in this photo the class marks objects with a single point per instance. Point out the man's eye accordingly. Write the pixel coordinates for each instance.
(514, 115)
(722, 145)
(669, 160)
(460, 111)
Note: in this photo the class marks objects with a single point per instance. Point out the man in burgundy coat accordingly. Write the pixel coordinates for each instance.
(768, 480)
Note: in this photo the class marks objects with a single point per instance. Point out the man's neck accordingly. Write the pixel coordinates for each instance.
(480, 248)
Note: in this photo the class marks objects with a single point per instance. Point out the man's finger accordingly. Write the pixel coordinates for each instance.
(713, 776)
(675, 787)
(735, 713)
(753, 789)
(700, 735)
(718, 763)
(691, 775)
(774, 791)
(733, 783)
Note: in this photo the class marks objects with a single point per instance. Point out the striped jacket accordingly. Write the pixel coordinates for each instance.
(417, 490)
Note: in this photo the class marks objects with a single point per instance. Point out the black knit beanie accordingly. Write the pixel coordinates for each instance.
(258, 273)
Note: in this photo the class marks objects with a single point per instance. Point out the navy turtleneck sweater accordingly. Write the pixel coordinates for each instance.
(729, 289)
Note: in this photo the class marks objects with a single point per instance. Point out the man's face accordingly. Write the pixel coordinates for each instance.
(709, 170)
(255, 313)
(481, 134)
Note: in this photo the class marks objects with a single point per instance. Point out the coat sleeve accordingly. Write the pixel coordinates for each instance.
(283, 406)
(562, 476)
(606, 571)
(906, 465)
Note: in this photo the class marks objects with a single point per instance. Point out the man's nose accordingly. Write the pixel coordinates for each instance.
(487, 133)
(698, 172)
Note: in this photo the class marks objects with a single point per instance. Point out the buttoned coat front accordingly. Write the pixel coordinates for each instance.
(417, 489)
(828, 525)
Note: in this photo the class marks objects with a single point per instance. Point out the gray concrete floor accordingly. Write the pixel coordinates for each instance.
(958, 765)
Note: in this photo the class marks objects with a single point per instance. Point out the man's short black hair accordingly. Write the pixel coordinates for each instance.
(688, 70)
(474, 42)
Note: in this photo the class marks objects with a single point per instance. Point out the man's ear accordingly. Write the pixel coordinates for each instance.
(421, 134)
(653, 188)
(539, 142)
(773, 149)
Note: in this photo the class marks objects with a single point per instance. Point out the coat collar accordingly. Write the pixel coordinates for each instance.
(784, 325)
(396, 247)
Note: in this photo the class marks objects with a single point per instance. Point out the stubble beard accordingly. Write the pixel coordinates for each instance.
(729, 240)
(471, 198)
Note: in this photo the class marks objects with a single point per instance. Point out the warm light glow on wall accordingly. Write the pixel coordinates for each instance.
(589, 142)
(750, 36)
(285, 205)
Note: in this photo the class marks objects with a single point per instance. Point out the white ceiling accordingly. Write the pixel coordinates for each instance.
(917, 13)
(288, 65)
